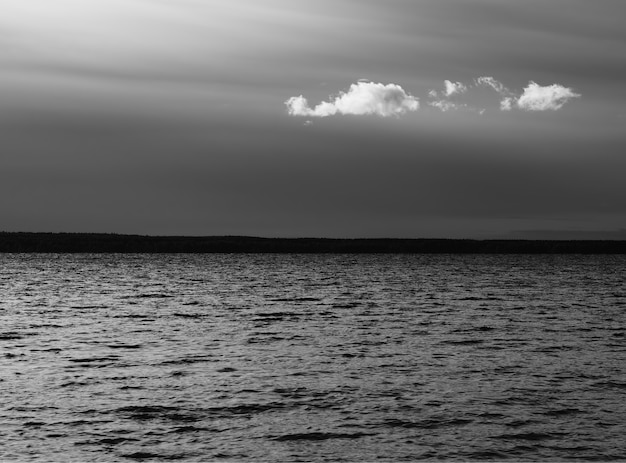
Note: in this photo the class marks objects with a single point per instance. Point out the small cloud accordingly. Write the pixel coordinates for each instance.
(506, 103)
(308, 122)
(454, 87)
(493, 83)
(444, 105)
(451, 88)
(297, 106)
(550, 97)
(363, 98)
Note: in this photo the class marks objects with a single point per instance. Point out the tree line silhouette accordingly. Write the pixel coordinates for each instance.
(18, 242)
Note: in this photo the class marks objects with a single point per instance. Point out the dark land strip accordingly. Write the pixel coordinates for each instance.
(22, 242)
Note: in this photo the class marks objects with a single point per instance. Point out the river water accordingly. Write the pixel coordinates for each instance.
(312, 357)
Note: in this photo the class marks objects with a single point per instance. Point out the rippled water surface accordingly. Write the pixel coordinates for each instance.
(312, 357)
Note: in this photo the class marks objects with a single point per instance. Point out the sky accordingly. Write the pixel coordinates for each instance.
(314, 118)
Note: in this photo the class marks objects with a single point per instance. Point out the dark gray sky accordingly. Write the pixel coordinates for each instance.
(314, 117)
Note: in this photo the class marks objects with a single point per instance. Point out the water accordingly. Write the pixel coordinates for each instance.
(312, 357)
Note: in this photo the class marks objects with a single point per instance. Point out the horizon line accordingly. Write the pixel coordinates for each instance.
(333, 238)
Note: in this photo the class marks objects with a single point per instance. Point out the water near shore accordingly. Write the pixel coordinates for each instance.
(312, 357)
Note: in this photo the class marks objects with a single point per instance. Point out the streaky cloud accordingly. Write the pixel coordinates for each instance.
(488, 81)
(362, 98)
(548, 98)
(444, 105)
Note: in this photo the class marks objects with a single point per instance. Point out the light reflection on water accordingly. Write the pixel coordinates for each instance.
(312, 357)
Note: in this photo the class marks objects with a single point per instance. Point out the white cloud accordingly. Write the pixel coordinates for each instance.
(444, 105)
(506, 103)
(454, 87)
(493, 83)
(550, 97)
(298, 106)
(451, 88)
(534, 98)
(363, 98)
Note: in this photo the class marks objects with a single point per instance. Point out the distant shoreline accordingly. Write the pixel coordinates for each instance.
(24, 242)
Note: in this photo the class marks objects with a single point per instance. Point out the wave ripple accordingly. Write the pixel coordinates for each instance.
(312, 357)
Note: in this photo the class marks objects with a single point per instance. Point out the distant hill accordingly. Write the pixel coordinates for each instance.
(112, 243)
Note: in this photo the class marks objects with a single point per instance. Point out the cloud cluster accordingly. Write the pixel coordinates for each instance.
(370, 98)
(363, 98)
(443, 101)
(534, 97)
